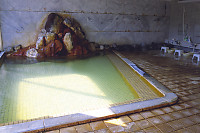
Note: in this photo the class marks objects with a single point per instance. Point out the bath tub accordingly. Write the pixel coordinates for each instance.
(38, 104)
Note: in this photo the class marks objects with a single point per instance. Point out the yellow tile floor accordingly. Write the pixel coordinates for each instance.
(184, 117)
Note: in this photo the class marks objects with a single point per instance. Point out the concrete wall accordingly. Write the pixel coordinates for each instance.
(104, 21)
(192, 21)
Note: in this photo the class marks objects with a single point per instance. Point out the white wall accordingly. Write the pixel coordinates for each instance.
(192, 21)
(104, 21)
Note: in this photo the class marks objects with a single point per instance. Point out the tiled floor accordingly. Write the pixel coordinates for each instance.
(184, 117)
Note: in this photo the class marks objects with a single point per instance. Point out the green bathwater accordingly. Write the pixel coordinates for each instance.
(59, 87)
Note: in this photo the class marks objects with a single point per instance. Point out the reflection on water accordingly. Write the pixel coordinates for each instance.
(25, 60)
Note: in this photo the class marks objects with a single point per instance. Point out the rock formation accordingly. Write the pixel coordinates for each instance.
(59, 37)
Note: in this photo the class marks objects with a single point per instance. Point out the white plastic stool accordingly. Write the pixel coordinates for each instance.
(180, 52)
(165, 49)
(101, 47)
(196, 55)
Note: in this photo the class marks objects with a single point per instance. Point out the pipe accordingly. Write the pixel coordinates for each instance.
(1, 42)
(183, 23)
(188, 1)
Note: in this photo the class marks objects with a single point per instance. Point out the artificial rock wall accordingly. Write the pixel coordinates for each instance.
(192, 21)
(104, 21)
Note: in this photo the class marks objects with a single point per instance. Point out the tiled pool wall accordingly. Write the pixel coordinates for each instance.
(100, 114)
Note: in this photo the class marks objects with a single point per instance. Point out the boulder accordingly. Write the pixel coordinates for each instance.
(17, 47)
(75, 27)
(58, 46)
(68, 42)
(22, 52)
(32, 53)
(92, 47)
(52, 48)
(54, 23)
(49, 37)
(59, 36)
(49, 49)
(40, 42)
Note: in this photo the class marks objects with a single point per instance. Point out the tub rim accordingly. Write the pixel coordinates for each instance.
(98, 114)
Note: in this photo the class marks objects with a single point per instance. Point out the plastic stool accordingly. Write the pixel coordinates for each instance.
(165, 49)
(197, 56)
(180, 52)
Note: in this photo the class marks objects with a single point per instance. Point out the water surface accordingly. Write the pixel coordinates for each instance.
(31, 89)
